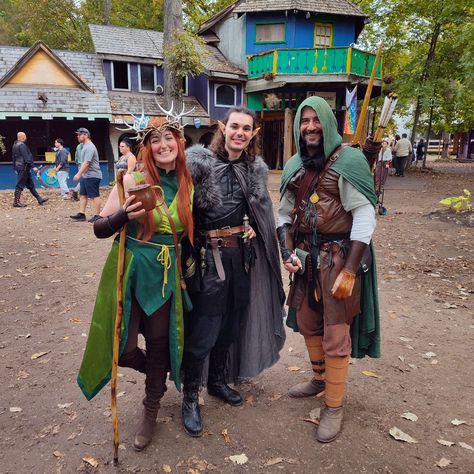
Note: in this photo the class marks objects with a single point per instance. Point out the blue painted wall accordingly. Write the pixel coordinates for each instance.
(198, 87)
(299, 30)
(8, 176)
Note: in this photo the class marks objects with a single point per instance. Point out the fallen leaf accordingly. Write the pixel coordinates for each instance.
(410, 416)
(23, 375)
(64, 405)
(120, 394)
(405, 339)
(15, 409)
(368, 373)
(445, 443)
(465, 446)
(315, 414)
(434, 361)
(450, 306)
(90, 460)
(75, 320)
(58, 454)
(166, 468)
(429, 355)
(275, 397)
(399, 435)
(310, 420)
(457, 422)
(37, 355)
(290, 349)
(294, 369)
(413, 366)
(401, 358)
(239, 458)
(272, 462)
(38, 296)
(226, 436)
(443, 462)
(193, 471)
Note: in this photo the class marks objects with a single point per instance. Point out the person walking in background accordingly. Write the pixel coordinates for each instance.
(23, 164)
(403, 150)
(90, 175)
(127, 160)
(383, 165)
(420, 150)
(78, 160)
(61, 166)
(394, 155)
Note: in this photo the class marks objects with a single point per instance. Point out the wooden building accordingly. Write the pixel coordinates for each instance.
(292, 49)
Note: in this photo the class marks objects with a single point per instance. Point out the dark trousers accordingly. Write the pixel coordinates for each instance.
(155, 328)
(25, 180)
(401, 164)
(218, 306)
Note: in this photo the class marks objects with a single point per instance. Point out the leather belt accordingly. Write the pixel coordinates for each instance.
(225, 231)
(231, 241)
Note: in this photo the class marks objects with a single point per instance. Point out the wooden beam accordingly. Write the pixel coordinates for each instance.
(288, 135)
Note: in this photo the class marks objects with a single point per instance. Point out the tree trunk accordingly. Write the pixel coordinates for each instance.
(173, 21)
(107, 11)
(445, 150)
(424, 76)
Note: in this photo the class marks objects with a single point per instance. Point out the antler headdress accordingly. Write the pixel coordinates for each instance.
(143, 127)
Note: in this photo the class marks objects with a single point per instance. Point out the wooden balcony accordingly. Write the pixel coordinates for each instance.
(312, 62)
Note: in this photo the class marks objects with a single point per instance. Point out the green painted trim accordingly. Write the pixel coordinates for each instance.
(270, 23)
(255, 101)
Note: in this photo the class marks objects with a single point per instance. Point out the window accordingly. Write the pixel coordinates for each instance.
(322, 35)
(224, 95)
(147, 77)
(120, 76)
(270, 33)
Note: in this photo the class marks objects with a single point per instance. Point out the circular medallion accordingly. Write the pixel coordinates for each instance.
(314, 198)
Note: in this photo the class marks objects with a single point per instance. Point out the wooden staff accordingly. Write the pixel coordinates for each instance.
(118, 320)
(368, 93)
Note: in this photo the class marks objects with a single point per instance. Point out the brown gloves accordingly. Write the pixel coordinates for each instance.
(345, 281)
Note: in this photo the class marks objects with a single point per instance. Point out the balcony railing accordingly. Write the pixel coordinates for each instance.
(312, 61)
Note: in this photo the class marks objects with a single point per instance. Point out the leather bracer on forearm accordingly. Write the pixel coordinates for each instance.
(286, 241)
(105, 227)
(354, 256)
(371, 151)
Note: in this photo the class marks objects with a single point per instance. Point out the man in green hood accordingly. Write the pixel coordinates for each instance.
(325, 225)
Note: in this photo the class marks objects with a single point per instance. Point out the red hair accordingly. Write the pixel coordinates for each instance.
(152, 177)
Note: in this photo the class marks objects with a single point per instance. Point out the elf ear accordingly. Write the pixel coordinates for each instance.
(255, 132)
(221, 127)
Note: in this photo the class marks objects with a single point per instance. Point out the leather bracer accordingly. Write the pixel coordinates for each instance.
(286, 241)
(105, 227)
(354, 256)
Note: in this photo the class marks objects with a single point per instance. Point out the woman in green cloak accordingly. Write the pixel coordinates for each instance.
(153, 299)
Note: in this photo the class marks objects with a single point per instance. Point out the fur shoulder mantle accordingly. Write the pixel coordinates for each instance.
(207, 192)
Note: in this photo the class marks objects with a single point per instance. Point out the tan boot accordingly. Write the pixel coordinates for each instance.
(330, 424)
(307, 389)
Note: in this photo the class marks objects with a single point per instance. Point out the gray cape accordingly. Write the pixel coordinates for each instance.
(262, 333)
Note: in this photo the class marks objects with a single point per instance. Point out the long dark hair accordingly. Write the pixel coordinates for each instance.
(217, 145)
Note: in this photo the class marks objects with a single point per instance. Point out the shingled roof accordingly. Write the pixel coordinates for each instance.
(336, 7)
(68, 100)
(132, 42)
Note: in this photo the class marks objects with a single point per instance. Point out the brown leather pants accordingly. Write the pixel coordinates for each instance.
(329, 317)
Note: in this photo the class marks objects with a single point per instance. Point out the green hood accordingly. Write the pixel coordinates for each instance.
(331, 139)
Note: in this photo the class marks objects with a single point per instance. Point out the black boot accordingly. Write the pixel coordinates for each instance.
(157, 364)
(191, 413)
(41, 200)
(16, 199)
(135, 359)
(216, 384)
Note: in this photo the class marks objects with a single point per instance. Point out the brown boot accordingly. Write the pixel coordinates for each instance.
(307, 389)
(330, 424)
(157, 363)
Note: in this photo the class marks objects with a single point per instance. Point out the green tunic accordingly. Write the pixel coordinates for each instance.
(152, 275)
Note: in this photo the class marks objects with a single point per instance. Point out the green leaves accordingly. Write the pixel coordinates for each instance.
(459, 203)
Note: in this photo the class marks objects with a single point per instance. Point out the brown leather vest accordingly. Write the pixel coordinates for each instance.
(332, 218)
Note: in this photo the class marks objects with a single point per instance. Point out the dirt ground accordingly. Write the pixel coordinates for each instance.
(49, 271)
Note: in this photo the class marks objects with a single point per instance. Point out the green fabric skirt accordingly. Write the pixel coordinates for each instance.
(151, 275)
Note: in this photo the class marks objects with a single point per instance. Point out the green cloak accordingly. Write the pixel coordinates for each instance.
(352, 166)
